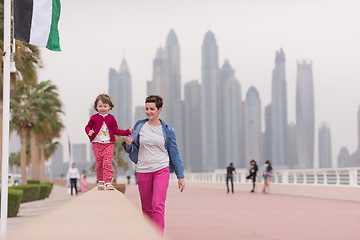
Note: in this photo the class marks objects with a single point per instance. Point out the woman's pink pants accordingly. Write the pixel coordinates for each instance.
(153, 187)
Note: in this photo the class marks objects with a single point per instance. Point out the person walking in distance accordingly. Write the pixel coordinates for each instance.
(74, 176)
(229, 176)
(153, 149)
(252, 173)
(267, 174)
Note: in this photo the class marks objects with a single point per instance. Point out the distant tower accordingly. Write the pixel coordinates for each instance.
(193, 151)
(305, 115)
(291, 150)
(232, 125)
(209, 101)
(344, 158)
(114, 90)
(267, 148)
(252, 126)
(173, 64)
(279, 112)
(325, 160)
(160, 81)
(125, 107)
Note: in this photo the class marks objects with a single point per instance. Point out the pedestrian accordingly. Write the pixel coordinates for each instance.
(229, 176)
(101, 130)
(267, 174)
(73, 175)
(252, 173)
(83, 184)
(153, 149)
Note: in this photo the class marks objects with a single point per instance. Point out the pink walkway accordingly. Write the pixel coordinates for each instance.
(198, 214)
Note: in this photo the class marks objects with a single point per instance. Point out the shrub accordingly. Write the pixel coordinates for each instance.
(33, 181)
(51, 184)
(31, 191)
(44, 191)
(14, 200)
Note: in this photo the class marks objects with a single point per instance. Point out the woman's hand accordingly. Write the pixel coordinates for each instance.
(128, 141)
(181, 183)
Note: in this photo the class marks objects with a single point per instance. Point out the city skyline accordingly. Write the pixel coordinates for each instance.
(250, 48)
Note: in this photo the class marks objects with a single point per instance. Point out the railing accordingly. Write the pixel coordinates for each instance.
(333, 176)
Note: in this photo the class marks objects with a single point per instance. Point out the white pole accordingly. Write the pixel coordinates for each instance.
(6, 113)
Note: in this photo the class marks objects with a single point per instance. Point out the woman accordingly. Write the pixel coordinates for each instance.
(267, 173)
(252, 173)
(153, 148)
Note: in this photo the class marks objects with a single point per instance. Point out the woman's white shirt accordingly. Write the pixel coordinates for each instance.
(153, 155)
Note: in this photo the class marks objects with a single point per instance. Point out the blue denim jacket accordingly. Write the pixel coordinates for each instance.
(175, 164)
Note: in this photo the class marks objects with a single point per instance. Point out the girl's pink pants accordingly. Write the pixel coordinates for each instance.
(153, 187)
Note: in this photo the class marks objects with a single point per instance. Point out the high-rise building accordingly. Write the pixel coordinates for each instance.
(305, 115)
(344, 159)
(279, 112)
(267, 148)
(125, 107)
(178, 124)
(140, 113)
(193, 152)
(114, 90)
(160, 81)
(325, 160)
(291, 152)
(232, 125)
(173, 63)
(253, 132)
(209, 93)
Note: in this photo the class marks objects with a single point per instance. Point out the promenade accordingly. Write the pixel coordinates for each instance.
(212, 214)
(197, 213)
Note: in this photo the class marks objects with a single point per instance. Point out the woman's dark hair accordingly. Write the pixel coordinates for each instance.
(155, 99)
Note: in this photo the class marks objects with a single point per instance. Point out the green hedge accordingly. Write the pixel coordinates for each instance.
(51, 185)
(44, 191)
(31, 191)
(33, 181)
(14, 200)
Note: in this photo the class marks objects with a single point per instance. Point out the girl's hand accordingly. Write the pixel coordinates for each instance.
(128, 141)
(181, 183)
(91, 132)
(131, 130)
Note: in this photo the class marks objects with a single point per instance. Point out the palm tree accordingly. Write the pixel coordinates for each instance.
(47, 125)
(35, 110)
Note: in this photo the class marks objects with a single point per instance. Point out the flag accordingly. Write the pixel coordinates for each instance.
(36, 22)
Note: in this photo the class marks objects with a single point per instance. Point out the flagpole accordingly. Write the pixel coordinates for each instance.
(6, 113)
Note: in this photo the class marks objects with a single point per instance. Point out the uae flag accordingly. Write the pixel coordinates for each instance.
(36, 22)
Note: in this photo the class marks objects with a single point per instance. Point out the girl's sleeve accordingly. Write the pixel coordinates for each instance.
(118, 131)
(90, 125)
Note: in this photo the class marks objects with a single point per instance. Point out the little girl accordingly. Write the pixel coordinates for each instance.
(101, 129)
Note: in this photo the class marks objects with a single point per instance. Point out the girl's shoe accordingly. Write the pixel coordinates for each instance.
(100, 185)
(109, 186)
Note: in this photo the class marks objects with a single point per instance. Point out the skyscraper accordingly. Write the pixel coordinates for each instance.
(305, 115)
(279, 112)
(193, 146)
(125, 107)
(267, 147)
(325, 160)
(253, 132)
(344, 159)
(160, 81)
(232, 125)
(291, 152)
(114, 88)
(173, 64)
(209, 101)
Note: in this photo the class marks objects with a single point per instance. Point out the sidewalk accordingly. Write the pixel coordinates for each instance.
(30, 211)
(203, 214)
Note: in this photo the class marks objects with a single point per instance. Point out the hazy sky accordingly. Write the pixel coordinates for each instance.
(96, 35)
